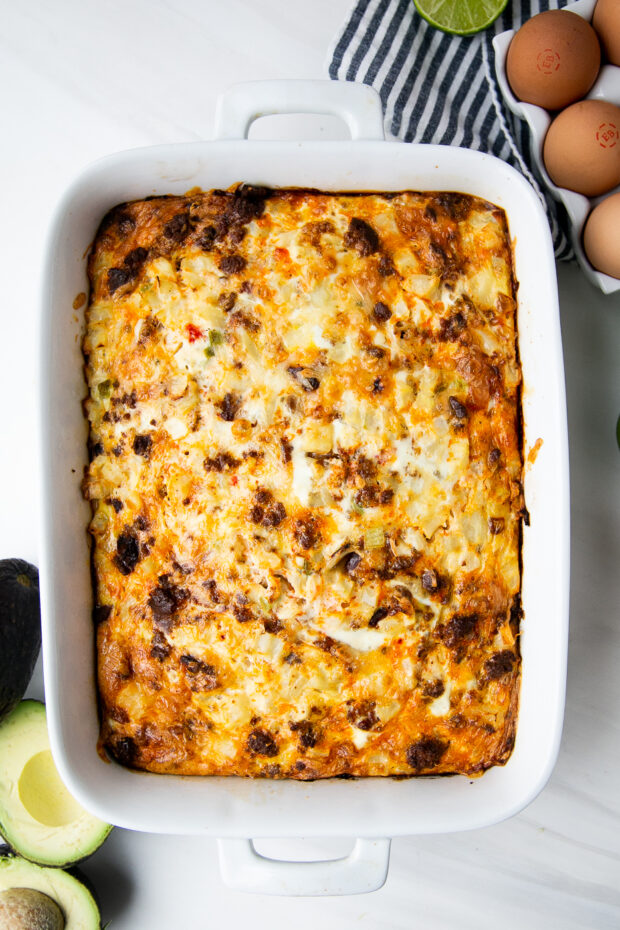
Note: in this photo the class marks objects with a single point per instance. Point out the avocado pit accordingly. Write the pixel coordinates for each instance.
(27, 909)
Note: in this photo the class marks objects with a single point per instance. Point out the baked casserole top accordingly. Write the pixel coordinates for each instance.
(306, 483)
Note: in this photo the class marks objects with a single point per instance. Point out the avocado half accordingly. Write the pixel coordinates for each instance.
(76, 903)
(20, 630)
(38, 817)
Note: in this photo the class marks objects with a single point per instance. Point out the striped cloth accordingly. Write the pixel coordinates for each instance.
(441, 88)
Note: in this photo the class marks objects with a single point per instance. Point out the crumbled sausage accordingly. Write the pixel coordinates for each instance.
(134, 260)
(262, 743)
(459, 628)
(494, 457)
(429, 579)
(308, 736)
(287, 449)
(381, 312)
(351, 561)
(377, 386)
(361, 236)
(177, 228)
(273, 625)
(386, 497)
(127, 552)
(124, 751)
(452, 327)
(165, 600)
(499, 664)
(426, 753)
(386, 266)
(229, 407)
(232, 264)
(304, 377)
(101, 613)
(118, 277)
(242, 613)
(116, 504)
(220, 462)
(434, 688)
(160, 647)
(274, 515)
(306, 533)
(458, 409)
(226, 301)
(363, 715)
(142, 444)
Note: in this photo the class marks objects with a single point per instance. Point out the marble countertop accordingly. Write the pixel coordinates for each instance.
(82, 79)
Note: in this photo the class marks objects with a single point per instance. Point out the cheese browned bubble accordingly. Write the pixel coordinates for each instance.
(305, 478)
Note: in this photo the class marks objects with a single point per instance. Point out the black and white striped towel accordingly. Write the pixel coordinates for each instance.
(441, 88)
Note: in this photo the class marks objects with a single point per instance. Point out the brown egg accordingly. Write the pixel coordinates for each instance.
(606, 21)
(553, 59)
(582, 148)
(601, 236)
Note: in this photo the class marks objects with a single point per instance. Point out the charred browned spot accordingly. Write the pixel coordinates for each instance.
(308, 736)
(327, 644)
(261, 743)
(131, 267)
(496, 525)
(150, 327)
(127, 552)
(377, 386)
(363, 715)
(232, 263)
(456, 206)
(293, 659)
(201, 675)
(229, 406)
(101, 613)
(379, 615)
(426, 753)
(499, 664)
(124, 223)
(305, 377)
(206, 239)
(211, 586)
(160, 647)
(460, 628)
(142, 444)
(429, 579)
(493, 457)
(118, 714)
(361, 236)
(124, 751)
(397, 565)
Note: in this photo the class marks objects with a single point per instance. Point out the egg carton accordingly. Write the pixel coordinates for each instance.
(578, 207)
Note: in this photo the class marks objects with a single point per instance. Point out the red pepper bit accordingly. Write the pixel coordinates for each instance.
(234, 479)
(193, 332)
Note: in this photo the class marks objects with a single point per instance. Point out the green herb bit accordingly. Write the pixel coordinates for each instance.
(216, 338)
(209, 352)
(105, 388)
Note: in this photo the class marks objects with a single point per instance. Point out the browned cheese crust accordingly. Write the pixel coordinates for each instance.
(305, 474)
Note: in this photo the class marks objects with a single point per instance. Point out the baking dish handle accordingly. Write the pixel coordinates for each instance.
(358, 105)
(363, 870)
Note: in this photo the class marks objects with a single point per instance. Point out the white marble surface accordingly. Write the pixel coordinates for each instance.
(81, 79)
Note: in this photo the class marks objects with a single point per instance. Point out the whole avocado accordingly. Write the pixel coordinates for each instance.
(20, 630)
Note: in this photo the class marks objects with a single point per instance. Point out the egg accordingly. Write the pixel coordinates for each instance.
(582, 148)
(601, 236)
(553, 59)
(606, 21)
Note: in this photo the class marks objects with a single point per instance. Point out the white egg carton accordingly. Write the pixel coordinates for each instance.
(607, 87)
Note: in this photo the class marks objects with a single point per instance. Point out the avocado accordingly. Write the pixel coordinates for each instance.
(20, 630)
(60, 897)
(38, 817)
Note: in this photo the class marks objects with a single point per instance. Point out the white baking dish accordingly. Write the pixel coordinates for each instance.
(240, 808)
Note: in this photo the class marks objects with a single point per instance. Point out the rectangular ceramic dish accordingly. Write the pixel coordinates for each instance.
(240, 808)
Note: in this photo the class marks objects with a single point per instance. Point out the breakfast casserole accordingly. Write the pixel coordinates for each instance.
(305, 477)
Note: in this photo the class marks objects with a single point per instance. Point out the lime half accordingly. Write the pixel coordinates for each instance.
(460, 17)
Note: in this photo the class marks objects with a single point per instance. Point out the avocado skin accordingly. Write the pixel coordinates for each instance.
(20, 630)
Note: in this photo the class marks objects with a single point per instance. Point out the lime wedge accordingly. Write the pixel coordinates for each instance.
(460, 17)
